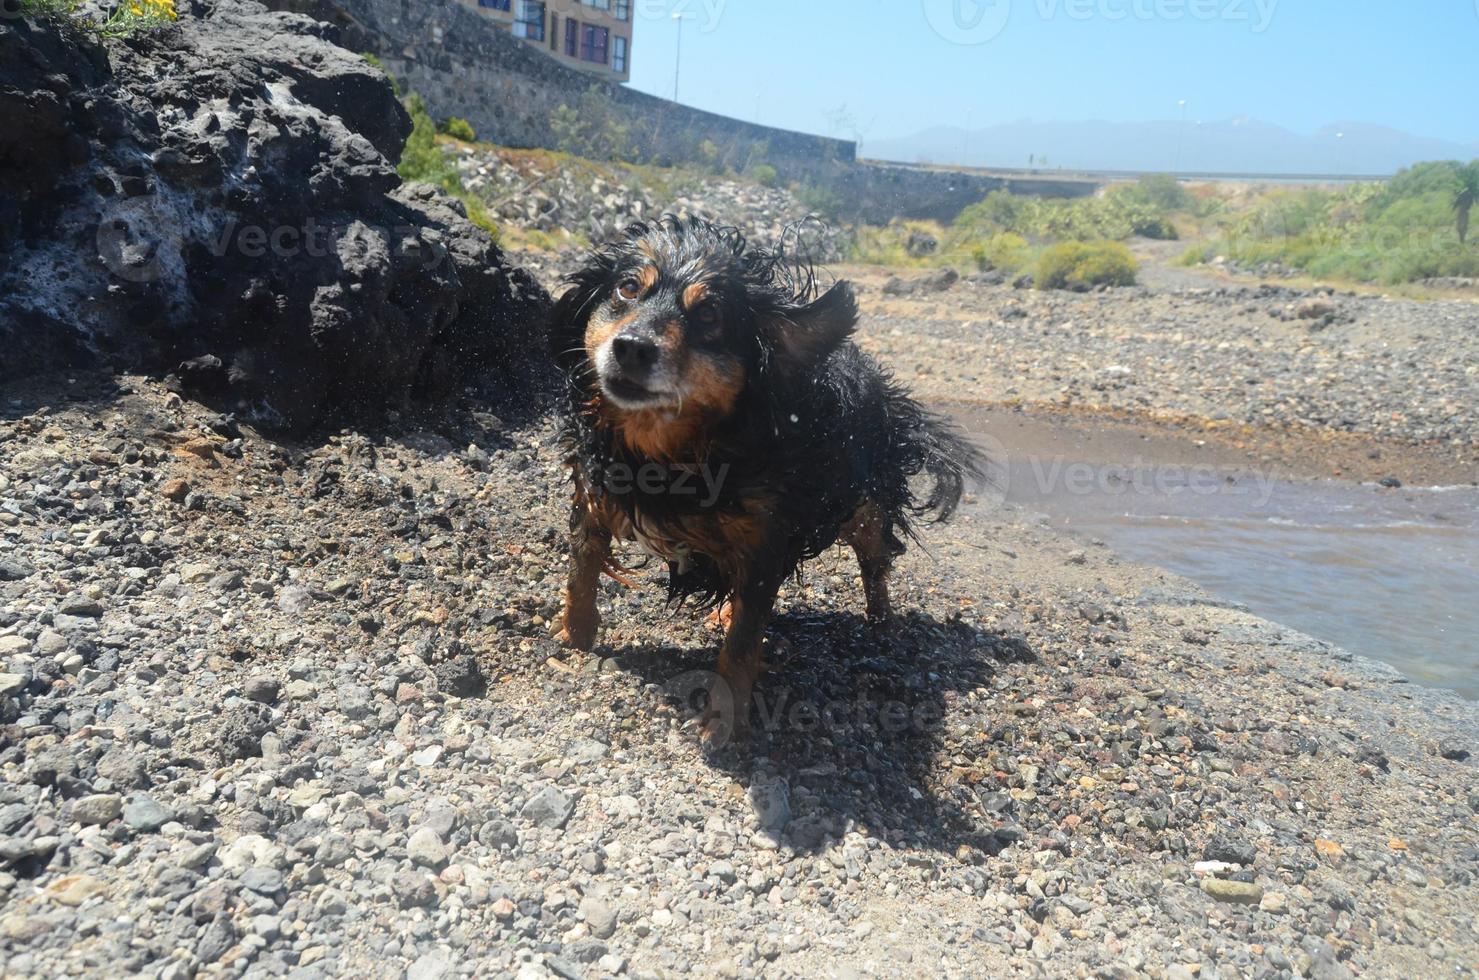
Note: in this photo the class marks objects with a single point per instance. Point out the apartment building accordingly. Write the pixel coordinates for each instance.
(594, 36)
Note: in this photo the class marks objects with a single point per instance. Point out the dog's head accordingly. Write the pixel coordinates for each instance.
(679, 319)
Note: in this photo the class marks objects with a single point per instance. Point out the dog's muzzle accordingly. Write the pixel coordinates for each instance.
(632, 371)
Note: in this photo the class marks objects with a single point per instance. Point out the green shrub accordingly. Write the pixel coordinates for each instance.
(593, 128)
(764, 174)
(423, 160)
(1163, 193)
(569, 130)
(1389, 233)
(1005, 251)
(459, 129)
(129, 18)
(1197, 255)
(1083, 265)
(1143, 209)
(819, 200)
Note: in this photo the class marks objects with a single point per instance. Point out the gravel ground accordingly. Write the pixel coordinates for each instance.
(1190, 345)
(292, 710)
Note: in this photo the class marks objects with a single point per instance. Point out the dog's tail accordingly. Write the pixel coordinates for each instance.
(951, 462)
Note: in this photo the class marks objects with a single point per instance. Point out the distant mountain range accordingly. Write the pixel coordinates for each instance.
(1239, 145)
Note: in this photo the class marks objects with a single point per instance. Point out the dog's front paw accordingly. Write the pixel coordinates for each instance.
(719, 728)
(576, 632)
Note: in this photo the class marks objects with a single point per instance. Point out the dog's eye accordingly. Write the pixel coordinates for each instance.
(705, 315)
(629, 289)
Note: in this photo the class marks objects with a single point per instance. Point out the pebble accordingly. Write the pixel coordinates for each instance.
(73, 890)
(1273, 902)
(1233, 850)
(413, 889)
(14, 571)
(264, 881)
(430, 966)
(771, 802)
(97, 809)
(1240, 892)
(425, 848)
(262, 689)
(81, 606)
(600, 916)
(548, 808)
(1453, 750)
(12, 645)
(145, 814)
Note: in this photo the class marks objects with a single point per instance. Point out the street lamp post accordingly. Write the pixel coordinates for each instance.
(680, 17)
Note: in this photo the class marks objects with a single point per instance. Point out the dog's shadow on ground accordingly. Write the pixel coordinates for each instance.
(865, 727)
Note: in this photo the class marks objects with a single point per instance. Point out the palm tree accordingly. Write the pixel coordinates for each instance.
(1465, 196)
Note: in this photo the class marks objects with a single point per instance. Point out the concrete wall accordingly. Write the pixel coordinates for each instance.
(463, 65)
(878, 192)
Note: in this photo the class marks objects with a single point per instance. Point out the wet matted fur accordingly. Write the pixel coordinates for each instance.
(717, 411)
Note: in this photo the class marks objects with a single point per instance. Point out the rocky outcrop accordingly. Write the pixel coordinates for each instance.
(223, 192)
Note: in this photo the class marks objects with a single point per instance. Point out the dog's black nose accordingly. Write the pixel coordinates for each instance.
(634, 355)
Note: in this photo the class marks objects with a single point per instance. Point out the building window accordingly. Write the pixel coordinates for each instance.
(593, 47)
(598, 4)
(623, 10)
(495, 4)
(619, 55)
(572, 36)
(529, 22)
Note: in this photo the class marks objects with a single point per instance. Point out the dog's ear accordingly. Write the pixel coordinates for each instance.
(573, 309)
(802, 338)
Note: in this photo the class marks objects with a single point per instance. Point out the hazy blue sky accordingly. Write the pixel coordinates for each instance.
(904, 65)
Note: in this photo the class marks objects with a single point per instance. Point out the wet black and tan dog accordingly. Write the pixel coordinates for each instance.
(718, 414)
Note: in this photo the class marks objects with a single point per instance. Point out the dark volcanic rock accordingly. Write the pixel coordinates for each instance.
(223, 191)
